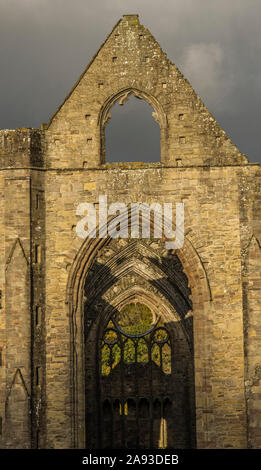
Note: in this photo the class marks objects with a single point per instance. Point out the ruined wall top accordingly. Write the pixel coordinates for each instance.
(21, 148)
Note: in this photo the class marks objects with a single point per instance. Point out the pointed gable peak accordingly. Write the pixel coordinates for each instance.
(131, 61)
(131, 18)
(128, 44)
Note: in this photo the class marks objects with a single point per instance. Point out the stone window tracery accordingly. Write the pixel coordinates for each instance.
(133, 336)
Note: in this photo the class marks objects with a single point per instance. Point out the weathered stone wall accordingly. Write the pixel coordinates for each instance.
(250, 210)
(22, 285)
(16, 316)
(21, 148)
(46, 174)
(212, 221)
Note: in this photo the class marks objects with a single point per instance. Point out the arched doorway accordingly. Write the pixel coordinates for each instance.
(139, 379)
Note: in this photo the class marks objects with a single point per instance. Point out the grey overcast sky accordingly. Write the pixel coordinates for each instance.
(45, 45)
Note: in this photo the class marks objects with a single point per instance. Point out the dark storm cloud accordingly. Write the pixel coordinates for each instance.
(46, 44)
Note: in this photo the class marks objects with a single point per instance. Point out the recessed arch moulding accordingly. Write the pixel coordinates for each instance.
(180, 293)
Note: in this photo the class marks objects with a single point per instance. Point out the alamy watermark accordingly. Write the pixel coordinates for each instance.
(119, 227)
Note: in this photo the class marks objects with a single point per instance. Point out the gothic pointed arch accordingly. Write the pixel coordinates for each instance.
(17, 246)
(17, 413)
(188, 254)
(187, 291)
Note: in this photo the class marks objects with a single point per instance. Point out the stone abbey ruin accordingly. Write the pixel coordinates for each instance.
(120, 342)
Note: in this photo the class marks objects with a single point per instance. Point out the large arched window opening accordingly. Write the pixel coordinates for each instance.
(132, 134)
(135, 132)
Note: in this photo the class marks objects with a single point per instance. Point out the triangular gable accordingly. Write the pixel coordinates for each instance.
(131, 61)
